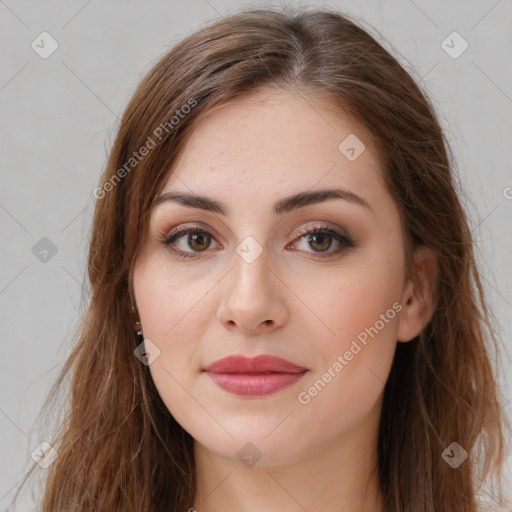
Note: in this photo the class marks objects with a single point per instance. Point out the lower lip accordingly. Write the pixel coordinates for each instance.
(255, 384)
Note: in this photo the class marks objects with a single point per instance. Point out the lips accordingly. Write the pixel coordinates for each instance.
(260, 364)
(257, 376)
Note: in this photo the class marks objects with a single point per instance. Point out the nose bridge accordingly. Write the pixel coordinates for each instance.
(251, 277)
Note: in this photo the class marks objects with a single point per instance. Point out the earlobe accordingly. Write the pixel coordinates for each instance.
(419, 296)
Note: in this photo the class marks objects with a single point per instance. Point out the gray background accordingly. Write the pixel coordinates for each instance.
(58, 119)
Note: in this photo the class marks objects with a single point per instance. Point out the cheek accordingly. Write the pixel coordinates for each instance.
(359, 314)
(349, 380)
(173, 312)
(172, 309)
(355, 299)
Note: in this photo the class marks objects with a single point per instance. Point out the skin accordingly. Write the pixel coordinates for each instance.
(288, 302)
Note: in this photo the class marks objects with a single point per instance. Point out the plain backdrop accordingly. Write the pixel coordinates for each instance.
(58, 120)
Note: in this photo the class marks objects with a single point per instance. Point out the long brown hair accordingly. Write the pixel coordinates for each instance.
(119, 448)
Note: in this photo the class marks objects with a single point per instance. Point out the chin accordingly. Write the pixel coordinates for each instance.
(256, 447)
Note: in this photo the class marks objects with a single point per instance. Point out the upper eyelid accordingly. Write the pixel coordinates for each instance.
(183, 228)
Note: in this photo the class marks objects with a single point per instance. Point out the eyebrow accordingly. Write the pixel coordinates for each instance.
(282, 206)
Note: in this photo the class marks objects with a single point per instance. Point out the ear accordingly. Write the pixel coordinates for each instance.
(419, 297)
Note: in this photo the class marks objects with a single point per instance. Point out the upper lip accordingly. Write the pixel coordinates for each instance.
(259, 364)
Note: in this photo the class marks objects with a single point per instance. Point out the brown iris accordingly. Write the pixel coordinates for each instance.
(325, 240)
(202, 240)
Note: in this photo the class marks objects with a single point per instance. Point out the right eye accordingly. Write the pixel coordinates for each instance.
(195, 237)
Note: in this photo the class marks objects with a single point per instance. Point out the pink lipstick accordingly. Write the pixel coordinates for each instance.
(257, 376)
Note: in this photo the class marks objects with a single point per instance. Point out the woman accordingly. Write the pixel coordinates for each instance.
(286, 312)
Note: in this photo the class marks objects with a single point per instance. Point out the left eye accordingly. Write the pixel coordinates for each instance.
(321, 239)
(199, 240)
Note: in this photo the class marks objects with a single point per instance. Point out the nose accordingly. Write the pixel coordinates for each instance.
(253, 297)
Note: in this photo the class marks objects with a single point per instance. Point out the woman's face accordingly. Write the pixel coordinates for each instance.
(251, 282)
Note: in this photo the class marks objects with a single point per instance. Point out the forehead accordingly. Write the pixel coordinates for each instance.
(274, 142)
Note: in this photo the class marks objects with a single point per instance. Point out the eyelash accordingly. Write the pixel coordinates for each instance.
(345, 241)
